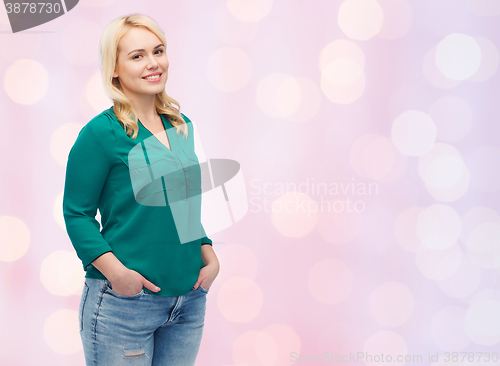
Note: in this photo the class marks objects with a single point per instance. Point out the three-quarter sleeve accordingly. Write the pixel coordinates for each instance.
(86, 173)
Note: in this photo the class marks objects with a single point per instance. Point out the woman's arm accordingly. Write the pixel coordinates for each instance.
(86, 174)
(208, 255)
(211, 269)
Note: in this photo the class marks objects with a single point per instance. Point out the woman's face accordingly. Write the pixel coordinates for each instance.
(141, 53)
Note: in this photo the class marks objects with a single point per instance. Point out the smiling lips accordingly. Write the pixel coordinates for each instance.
(153, 77)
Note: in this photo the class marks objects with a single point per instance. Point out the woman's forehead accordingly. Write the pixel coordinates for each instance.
(138, 38)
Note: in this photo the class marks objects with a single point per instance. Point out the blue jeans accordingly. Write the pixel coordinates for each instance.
(141, 329)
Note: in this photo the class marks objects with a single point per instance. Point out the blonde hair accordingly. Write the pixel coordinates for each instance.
(108, 56)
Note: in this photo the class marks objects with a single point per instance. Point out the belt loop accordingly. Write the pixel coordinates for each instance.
(106, 285)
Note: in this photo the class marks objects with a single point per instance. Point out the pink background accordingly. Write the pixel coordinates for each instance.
(396, 96)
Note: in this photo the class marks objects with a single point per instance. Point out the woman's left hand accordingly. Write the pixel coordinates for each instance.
(207, 276)
(210, 270)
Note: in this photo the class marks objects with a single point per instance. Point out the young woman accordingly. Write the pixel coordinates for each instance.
(144, 296)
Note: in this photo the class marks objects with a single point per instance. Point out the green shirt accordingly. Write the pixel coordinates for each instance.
(140, 188)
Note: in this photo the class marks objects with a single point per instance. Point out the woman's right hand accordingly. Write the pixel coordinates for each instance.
(131, 283)
(124, 281)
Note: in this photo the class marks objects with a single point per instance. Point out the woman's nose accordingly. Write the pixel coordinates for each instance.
(152, 64)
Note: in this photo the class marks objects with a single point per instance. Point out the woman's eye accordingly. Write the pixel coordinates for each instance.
(135, 57)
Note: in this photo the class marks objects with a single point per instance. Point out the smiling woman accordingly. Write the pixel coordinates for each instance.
(145, 289)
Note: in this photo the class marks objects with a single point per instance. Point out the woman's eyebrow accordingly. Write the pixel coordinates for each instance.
(142, 49)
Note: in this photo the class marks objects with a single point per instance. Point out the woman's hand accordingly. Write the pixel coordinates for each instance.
(211, 269)
(124, 281)
(207, 276)
(130, 282)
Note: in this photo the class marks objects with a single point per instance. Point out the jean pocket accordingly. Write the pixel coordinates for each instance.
(203, 290)
(112, 293)
(82, 305)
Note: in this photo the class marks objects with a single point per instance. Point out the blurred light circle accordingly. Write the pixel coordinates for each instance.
(229, 69)
(453, 193)
(474, 218)
(385, 342)
(342, 71)
(453, 118)
(233, 31)
(405, 230)
(62, 274)
(483, 162)
(486, 260)
(489, 60)
(447, 329)
(249, 11)
(341, 49)
(61, 332)
(26, 81)
(62, 140)
(482, 322)
(294, 214)
(444, 173)
(360, 19)
(330, 281)
(343, 81)
(464, 282)
(432, 73)
(278, 95)
(239, 299)
(397, 18)
(391, 304)
(458, 56)
(484, 237)
(439, 264)
(255, 348)
(413, 133)
(15, 238)
(438, 227)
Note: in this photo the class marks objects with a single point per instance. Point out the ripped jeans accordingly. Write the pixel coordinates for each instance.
(141, 329)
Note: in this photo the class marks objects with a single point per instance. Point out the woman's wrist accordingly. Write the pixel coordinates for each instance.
(110, 267)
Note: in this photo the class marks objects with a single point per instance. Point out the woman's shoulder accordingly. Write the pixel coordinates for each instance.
(104, 122)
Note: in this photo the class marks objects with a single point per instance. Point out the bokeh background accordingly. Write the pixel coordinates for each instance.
(368, 136)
